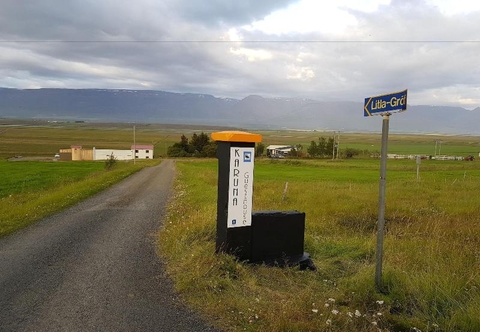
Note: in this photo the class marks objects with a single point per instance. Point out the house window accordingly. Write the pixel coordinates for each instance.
(136, 151)
(146, 157)
(147, 151)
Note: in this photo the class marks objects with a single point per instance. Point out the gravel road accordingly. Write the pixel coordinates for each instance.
(93, 267)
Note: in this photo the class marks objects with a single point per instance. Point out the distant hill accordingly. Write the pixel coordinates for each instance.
(144, 106)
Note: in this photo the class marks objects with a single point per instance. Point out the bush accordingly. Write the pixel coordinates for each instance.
(110, 162)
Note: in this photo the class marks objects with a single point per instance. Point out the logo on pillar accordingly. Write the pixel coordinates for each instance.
(240, 187)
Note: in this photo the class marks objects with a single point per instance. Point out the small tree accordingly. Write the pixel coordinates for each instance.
(322, 146)
(329, 147)
(313, 149)
(259, 149)
(198, 143)
(210, 150)
(110, 162)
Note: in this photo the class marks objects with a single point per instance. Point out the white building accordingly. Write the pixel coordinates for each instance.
(105, 154)
(278, 150)
(144, 151)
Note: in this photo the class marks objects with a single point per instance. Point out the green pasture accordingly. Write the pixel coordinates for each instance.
(432, 241)
(43, 139)
(431, 258)
(397, 143)
(32, 176)
(31, 190)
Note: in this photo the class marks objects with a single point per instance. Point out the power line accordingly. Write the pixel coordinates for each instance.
(240, 41)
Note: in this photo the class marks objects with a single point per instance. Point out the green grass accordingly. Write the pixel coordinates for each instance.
(432, 257)
(41, 138)
(27, 176)
(397, 143)
(33, 190)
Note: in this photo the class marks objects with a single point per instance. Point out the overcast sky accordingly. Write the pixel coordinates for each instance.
(319, 49)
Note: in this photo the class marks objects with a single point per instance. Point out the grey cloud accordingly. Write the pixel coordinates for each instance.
(229, 12)
(350, 68)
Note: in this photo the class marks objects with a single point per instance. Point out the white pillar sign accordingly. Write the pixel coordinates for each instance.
(240, 187)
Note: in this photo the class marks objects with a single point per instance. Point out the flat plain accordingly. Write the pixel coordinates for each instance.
(432, 257)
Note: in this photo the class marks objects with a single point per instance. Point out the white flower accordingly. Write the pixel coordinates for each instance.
(357, 313)
(328, 322)
(327, 305)
(349, 314)
(379, 314)
(380, 302)
(374, 323)
(335, 312)
(416, 330)
(314, 311)
(331, 300)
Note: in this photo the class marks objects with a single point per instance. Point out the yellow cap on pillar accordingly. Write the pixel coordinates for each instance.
(236, 136)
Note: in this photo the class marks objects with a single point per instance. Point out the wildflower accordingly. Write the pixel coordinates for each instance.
(315, 311)
(328, 322)
(349, 314)
(379, 314)
(331, 300)
(416, 330)
(374, 323)
(327, 305)
(357, 313)
(335, 312)
(380, 302)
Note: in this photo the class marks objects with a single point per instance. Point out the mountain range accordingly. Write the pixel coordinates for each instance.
(255, 112)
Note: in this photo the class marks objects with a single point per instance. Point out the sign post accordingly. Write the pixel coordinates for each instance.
(418, 162)
(383, 105)
(235, 153)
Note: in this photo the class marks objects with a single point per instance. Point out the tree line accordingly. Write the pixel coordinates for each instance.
(197, 146)
(200, 145)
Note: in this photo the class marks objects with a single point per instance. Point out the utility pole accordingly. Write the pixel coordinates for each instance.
(338, 143)
(334, 143)
(134, 146)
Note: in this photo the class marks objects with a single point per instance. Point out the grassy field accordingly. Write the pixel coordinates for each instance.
(31, 190)
(41, 138)
(398, 143)
(431, 259)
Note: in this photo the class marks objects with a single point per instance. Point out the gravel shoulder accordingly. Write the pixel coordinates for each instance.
(94, 267)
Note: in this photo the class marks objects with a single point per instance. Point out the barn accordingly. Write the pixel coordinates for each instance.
(144, 151)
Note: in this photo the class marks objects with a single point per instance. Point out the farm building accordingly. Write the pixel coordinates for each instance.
(143, 151)
(77, 152)
(278, 150)
(104, 154)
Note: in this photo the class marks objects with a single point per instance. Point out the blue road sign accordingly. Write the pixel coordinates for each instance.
(385, 104)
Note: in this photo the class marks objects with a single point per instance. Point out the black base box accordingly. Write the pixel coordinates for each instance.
(277, 236)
